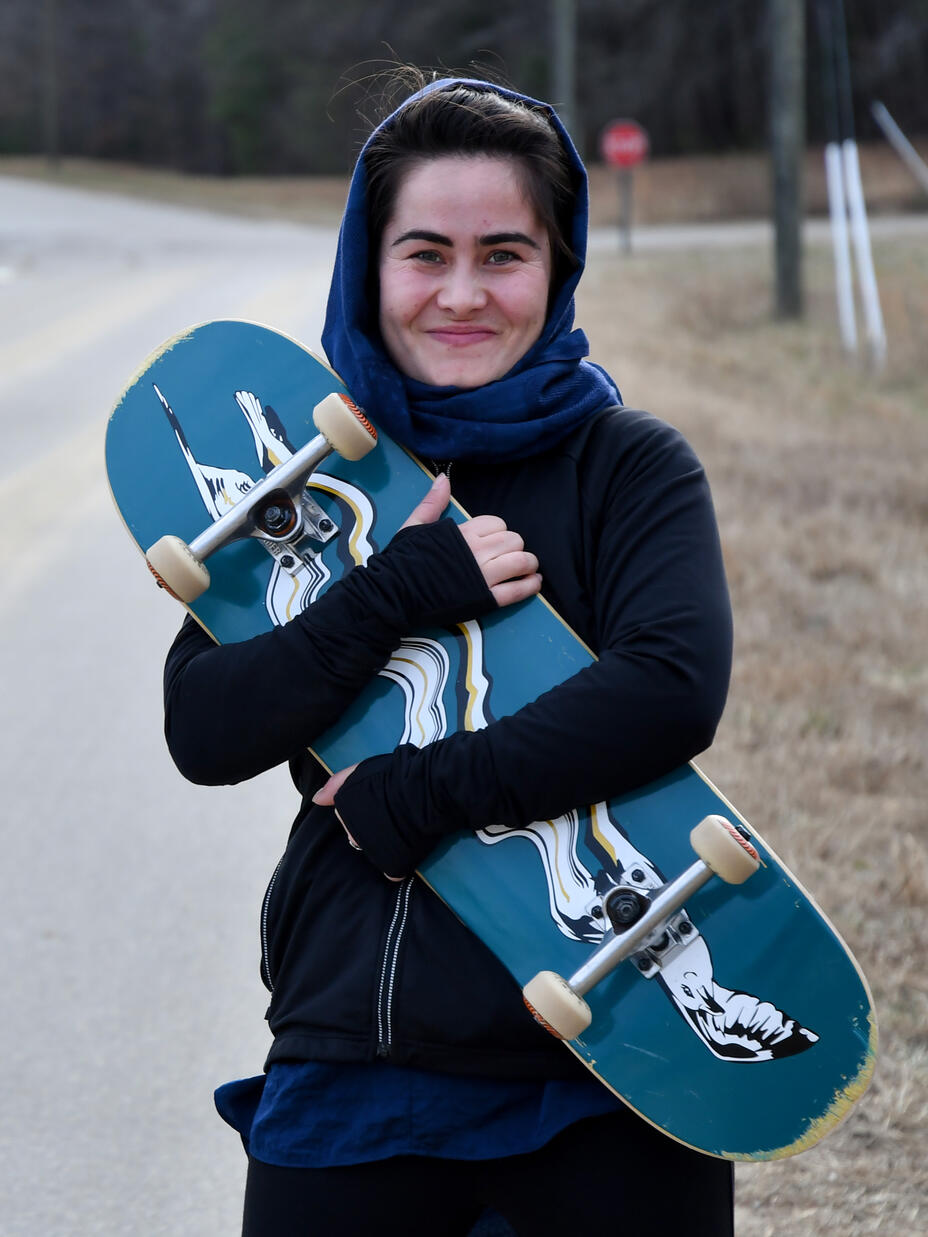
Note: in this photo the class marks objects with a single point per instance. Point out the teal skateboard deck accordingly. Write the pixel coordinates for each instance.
(729, 1015)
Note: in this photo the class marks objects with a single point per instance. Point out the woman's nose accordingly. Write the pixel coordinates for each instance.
(462, 290)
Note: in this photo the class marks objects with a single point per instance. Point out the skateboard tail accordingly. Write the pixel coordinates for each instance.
(840, 1107)
(817, 1129)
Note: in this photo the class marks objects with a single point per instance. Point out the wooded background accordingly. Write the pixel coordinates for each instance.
(273, 86)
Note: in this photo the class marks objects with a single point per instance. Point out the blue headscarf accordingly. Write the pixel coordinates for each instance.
(546, 394)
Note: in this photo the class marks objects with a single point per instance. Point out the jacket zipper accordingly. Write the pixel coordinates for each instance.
(265, 908)
(388, 968)
(439, 466)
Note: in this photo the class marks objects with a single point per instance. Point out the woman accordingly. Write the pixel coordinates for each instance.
(450, 319)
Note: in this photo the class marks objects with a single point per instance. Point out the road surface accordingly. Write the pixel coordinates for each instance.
(128, 931)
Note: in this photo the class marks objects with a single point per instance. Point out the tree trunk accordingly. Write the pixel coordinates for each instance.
(787, 142)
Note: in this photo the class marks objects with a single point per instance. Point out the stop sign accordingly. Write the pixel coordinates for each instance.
(624, 143)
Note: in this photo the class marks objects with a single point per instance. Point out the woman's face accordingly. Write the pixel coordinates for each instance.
(464, 267)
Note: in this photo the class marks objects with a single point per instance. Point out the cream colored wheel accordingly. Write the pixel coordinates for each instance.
(722, 848)
(176, 569)
(346, 428)
(556, 1006)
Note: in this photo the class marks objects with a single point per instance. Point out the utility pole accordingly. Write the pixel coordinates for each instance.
(563, 65)
(50, 81)
(787, 146)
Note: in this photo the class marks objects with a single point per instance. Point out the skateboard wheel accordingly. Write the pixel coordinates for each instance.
(177, 569)
(345, 427)
(554, 1004)
(723, 849)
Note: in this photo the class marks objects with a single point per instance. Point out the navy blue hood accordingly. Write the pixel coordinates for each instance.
(549, 391)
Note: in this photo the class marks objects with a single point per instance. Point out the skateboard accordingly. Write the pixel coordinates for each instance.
(656, 934)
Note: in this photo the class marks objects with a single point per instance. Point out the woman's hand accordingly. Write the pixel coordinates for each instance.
(325, 797)
(510, 571)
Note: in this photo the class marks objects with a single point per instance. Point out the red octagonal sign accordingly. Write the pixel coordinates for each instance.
(624, 143)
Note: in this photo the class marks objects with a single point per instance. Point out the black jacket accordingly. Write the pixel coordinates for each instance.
(621, 519)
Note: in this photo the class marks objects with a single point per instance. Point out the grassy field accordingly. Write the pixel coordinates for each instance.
(818, 467)
(818, 471)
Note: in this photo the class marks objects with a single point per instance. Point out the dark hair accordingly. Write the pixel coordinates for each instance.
(473, 120)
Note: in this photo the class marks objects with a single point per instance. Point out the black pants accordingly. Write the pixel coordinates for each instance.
(606, 1175)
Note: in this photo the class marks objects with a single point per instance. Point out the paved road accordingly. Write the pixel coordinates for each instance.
(128, 899)
(747, 233)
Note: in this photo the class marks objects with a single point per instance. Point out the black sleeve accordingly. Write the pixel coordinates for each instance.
(234, 710)
(651, 702)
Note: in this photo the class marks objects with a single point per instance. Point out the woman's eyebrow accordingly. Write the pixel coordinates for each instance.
(418, 234)
(493, 238)
(509, 238)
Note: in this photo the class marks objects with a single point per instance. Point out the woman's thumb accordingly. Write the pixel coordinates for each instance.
(434, 503)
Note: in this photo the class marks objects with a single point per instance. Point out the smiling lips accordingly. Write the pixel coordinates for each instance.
(462, 335)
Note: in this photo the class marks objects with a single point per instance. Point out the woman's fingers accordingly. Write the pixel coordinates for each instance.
(509, 565)
(482, 526)
(511, 591)
(510, 571)
(325, 795)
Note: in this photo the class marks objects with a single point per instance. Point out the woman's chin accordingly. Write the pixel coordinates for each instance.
(466, 376)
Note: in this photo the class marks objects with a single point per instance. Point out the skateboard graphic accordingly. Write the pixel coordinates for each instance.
(655, 933)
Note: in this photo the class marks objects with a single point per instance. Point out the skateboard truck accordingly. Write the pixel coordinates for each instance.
(649, 926)
(290, 525)
(626, 906)
(276, 510)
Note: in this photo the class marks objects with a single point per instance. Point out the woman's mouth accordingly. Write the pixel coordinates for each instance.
(461, 336)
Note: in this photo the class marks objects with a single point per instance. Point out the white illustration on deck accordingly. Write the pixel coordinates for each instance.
(419, 666)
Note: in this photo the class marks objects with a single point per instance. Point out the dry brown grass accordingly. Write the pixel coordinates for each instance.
(737, 186)
(818, 468)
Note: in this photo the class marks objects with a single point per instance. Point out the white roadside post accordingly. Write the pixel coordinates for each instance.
(841, 246)
(845, 190)
(863, 253)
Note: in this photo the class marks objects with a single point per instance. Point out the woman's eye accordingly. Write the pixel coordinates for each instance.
(501, 257)
(431, 256)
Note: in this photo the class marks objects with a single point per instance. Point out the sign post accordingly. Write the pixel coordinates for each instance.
(623, 145)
